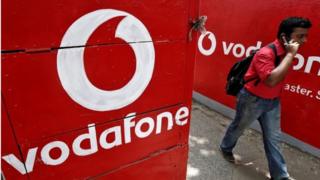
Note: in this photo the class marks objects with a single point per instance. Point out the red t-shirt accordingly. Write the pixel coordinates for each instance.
(262, 64)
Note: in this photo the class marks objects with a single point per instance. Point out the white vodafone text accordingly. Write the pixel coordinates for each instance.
(238, 50)
(128, 127)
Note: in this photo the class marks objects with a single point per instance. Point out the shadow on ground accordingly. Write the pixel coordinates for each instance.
(206, 163)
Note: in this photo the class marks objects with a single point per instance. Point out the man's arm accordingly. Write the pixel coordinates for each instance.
(279, 73)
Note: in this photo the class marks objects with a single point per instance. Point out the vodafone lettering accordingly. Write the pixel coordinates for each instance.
(128, 127)
(238, 50)
(74, 80)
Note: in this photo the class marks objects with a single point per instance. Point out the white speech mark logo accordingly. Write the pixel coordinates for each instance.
(212, 38)
(71, 69)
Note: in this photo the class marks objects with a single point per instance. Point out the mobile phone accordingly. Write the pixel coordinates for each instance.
(285, 38)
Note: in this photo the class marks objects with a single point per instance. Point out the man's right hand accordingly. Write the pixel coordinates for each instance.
(291, 46)
(278, 73)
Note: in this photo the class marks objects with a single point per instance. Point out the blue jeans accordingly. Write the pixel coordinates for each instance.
(267, 112)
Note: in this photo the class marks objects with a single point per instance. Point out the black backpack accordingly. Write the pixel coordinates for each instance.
(235, 78)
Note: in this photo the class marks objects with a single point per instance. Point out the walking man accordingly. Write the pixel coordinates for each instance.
(259, 99)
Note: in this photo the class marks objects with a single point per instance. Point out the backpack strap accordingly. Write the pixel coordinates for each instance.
(276, 62)
(273, 47)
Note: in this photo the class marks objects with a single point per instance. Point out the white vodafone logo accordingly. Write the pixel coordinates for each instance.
(71, 69)
(212, 38)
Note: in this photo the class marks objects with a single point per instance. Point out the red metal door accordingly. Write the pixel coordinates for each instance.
(97, 88)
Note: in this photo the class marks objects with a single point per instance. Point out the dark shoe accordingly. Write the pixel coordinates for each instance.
(227, 156)
(283, 178)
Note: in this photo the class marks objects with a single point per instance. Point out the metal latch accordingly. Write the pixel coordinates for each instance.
(198, 25)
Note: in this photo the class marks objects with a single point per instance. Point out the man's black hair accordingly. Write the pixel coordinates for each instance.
(287, 25)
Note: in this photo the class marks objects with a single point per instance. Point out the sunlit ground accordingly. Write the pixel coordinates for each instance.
(206, 162)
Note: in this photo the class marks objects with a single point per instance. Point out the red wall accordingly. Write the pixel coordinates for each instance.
(238, 25)
(48, 66)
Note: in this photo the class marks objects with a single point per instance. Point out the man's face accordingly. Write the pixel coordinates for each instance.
(299, 35)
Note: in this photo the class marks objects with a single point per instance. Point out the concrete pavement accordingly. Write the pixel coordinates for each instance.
(206, 163)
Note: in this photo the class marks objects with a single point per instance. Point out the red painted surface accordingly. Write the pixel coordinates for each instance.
(241, 24)
(157, 163)
(27, 85)
(40, 24)
(8, 145)
(43, 114)
(110, 160)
